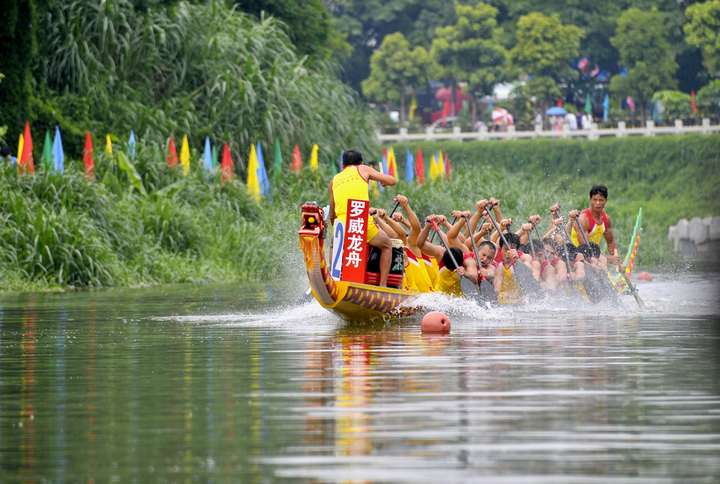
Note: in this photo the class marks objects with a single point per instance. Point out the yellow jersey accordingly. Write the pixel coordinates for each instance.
(350, 185)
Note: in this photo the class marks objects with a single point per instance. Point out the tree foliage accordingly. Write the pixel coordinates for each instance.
(703, 31)
(470, 50)
(204, 70)
(394, 67)
(17, 47)
(543, 52)
(676, 103)
(644, 50)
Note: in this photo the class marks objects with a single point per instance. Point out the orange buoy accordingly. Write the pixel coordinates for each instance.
(644, 276)
(435, 322)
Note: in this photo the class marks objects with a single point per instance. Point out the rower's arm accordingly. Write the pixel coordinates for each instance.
(425, 246)
(611, 243)
(371, 173)
(332, 206)
(471, 272)
(399, 230)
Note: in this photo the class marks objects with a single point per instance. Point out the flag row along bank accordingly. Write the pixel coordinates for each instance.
(258, 183)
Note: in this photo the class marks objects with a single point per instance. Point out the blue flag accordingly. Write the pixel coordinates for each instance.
(58, 153)
(263, 180)
(606, 106)
(342, 152)
(207, 157)
(409, 167)
(131, 145)
(490, 106)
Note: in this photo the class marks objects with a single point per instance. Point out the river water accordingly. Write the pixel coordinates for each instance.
(234, 383)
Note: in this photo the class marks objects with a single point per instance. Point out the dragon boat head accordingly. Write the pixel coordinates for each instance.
(313, 220)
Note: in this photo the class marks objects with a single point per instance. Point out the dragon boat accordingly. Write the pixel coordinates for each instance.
(366, 301)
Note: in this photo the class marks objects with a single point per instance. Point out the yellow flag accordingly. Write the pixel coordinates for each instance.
(185, 156)
(413, 107)
(108, 145)
(314, 158)
(21, 143)
(392, 163)
(441, 165)
(253, 184)
(433, 168)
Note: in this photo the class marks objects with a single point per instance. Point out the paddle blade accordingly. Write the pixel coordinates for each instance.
(530, 287)
(487, 293)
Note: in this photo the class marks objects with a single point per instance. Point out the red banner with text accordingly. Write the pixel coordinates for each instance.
(355, 252)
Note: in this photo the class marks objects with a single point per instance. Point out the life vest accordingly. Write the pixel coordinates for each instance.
(595, 231)
(510, 286)
(431, 269)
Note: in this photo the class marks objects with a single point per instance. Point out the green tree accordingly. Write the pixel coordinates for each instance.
(708, 97)
(644, 50)
(17, 48)
(544, 50)
(394, 68)
(470, 50)
(703, 31)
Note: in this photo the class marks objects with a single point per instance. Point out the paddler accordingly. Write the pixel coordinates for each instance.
(420, 271)
(352, 183)
(449, 274)
(595, 222)
(506, 285)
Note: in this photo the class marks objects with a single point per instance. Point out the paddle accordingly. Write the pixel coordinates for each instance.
(469, 288)
(537, 232)
(432, 236)
(532, 246)
(522, 273)
(487, 291)
(632, 287)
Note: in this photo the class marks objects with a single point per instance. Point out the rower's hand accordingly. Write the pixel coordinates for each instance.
(495, 202)
(481, 204)
(402, 200)
(558, 222)
(457, 214)
(441, 219)
(381, 213)
(535, 219)
(486, 226)
(573, 214)
(398, 217)
(526, 227)
(554, 207)
(505, 223)
(580, 258)
(460, 271)
(613, 259)
(514, 254)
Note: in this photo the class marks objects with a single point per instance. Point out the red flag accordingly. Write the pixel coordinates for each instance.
(172, 155)
(420, 168)
(226, 165)
(447, 166)
(297, 160)
(445, 111)
(26, 158)
(692, 101)
(88, 158)
(560, 103)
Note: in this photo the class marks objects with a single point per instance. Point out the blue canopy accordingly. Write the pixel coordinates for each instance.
(555, 111)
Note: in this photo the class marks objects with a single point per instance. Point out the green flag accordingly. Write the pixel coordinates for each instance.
(277, 166)
(333, 166)
(47, 156)
(213, 158)
(588, 105)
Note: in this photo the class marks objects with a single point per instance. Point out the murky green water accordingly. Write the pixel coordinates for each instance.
(235, 384)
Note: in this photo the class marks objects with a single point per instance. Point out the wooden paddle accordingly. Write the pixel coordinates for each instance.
(487, 291)
(524, 275)
(632, 287)
(469, 289)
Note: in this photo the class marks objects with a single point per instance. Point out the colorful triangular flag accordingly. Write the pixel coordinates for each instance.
(262, 173)
(447, 167)
(108, 145)
(26, 163)
(226, 165)
(253, 184)
(277, 165)
(131, 145)
(409, 166)
(207, 157)
(214, 157)
(692, 101)
(296, 160)
(172, 158)
(58, 153)
(420, 168)
(185, 155)
(88, 162)
(392, 163)
(314, 158)
(21, 143)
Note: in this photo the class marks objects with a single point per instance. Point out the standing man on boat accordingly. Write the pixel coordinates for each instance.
(595, 222)
(352, 183)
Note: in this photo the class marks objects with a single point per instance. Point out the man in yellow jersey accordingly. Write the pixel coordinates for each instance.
(595, 223)
(352, 183)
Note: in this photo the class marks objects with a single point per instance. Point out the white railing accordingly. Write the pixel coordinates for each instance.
(593, 133)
